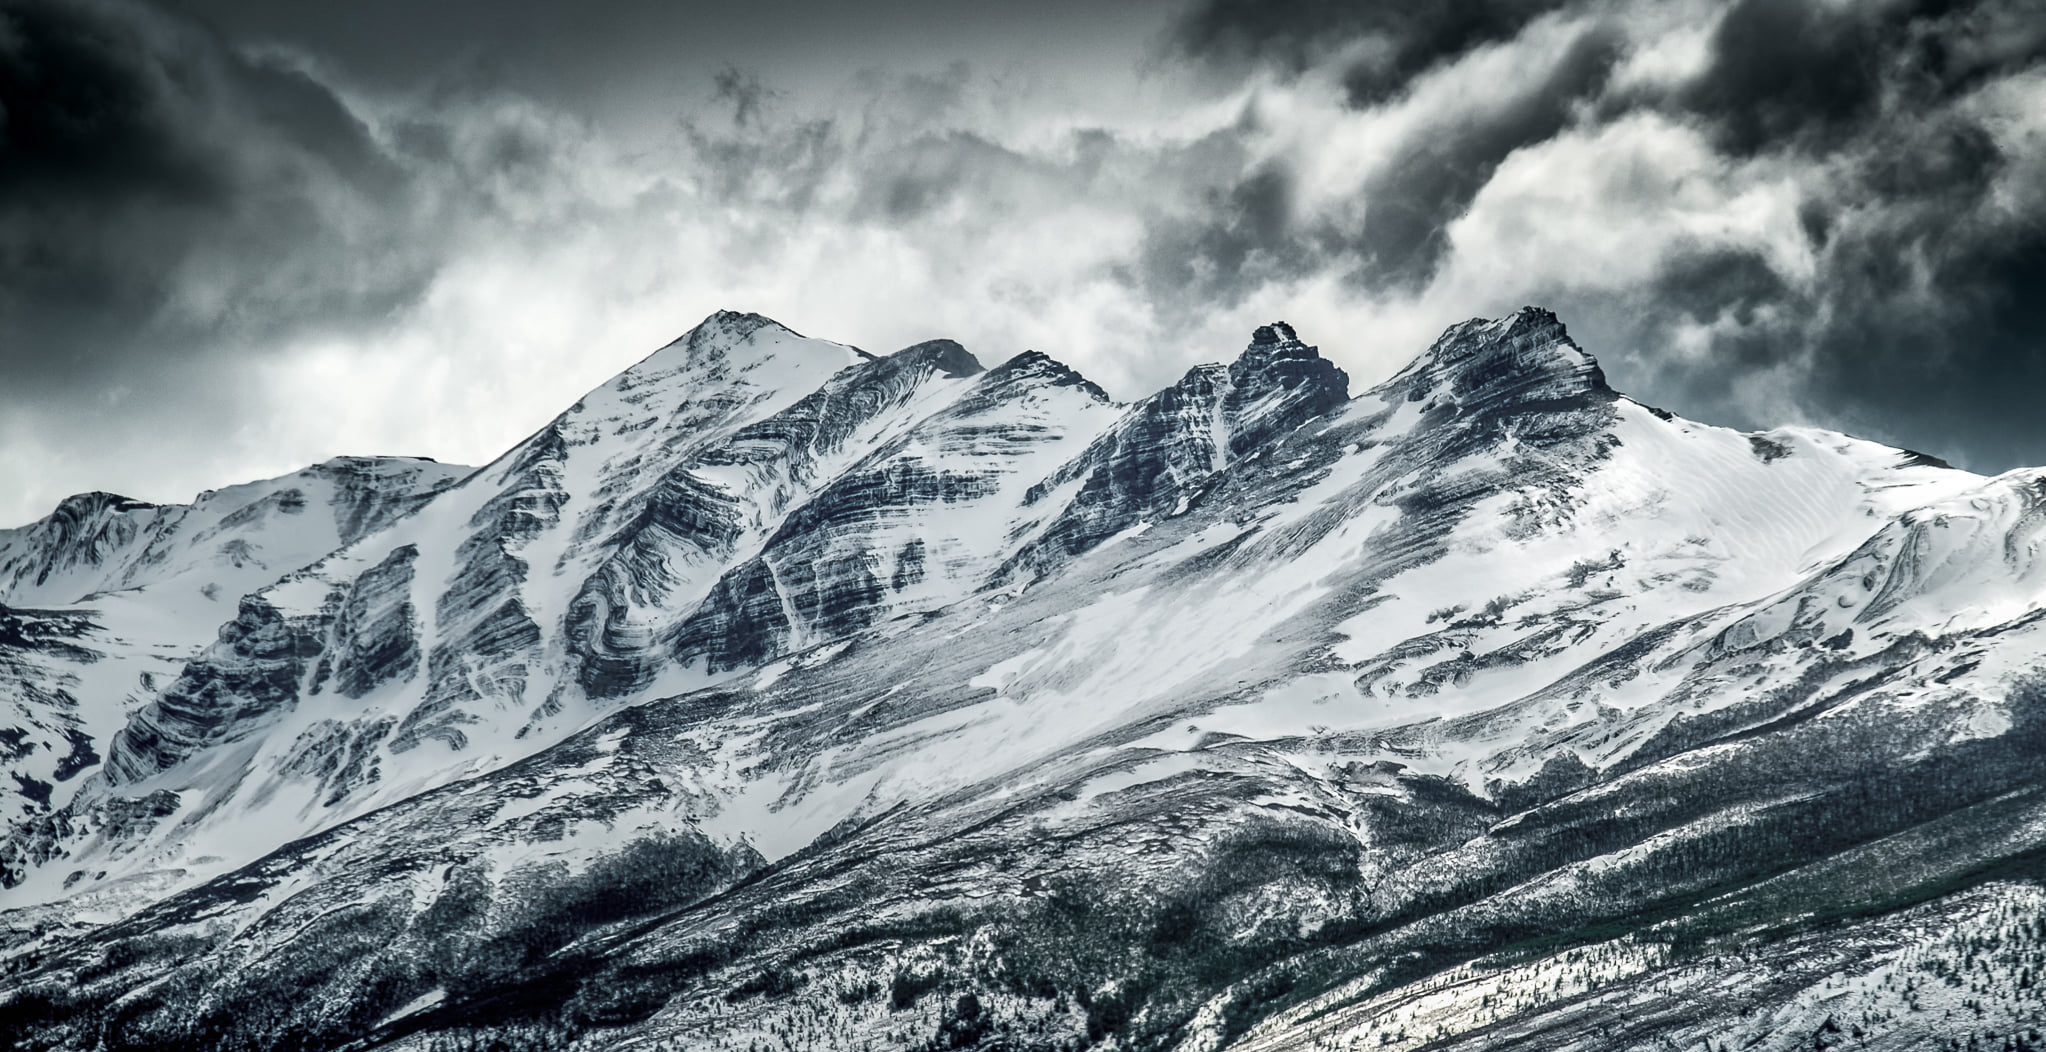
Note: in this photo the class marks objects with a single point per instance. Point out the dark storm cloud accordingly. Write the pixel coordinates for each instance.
(1382, 46)
(1792, 73)
(1436, 174)
(190, 227)
(1931, 316)
(1251, 233)
(1706, 284)
(159, 192)
(630, 55)
(1815, 76)
(1754, 210)
(1923, 324)
(1241, 237)
(1917, 322)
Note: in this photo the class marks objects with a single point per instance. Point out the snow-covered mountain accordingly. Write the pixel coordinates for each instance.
(107, 599)
(781, 695)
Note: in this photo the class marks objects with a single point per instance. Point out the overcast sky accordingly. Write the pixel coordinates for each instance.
(238, 236)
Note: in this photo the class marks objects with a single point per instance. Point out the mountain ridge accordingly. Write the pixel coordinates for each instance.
(777, 690)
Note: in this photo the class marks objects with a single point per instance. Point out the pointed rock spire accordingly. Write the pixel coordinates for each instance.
(1275, 385)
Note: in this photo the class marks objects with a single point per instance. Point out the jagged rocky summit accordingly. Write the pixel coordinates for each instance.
(777, 694)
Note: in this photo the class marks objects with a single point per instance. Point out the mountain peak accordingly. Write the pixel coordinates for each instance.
(1276, 358)
(738, 324)
(1276, 332)
(946, 356)
(726, 346)
(80, 506)
(353, 465)
(725, 331)
(1529, 338)
(1277, 340)
(1524, 358)
(1037, 367)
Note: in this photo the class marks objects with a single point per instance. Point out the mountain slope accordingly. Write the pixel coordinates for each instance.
(779, 693)
(233, 539)
(107, 598)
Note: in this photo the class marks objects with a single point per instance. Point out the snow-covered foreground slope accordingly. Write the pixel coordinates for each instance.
(781, 693)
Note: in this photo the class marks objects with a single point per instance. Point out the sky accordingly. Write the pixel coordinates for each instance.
(240, 236)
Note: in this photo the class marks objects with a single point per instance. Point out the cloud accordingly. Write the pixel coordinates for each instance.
(1760, 212)
(169, 207)
(161, 192)
(180, 217)
(291, 265)
(226, 253)
(1380, 48)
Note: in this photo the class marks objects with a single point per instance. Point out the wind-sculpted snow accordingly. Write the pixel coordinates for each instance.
(1928, 567)
(779, 695)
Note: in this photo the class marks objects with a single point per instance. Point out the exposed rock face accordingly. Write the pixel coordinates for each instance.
(42, 741)
(742, 620)
(84, 534)
(235, 689)
(484, 629)
(923, 517)
(687, 526)
(126, 594)
(1525, 359)
(376, 633)
(1156, 459)
(1277, 384)
(779, 693)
